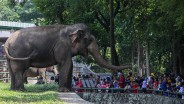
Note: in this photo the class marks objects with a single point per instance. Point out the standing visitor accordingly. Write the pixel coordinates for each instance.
(135, 87)
(155, 84)
(121, 81)
(182, 89)
(79, 85)
(144, 86)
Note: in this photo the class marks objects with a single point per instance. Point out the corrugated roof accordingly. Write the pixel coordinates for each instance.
(16, 24)
(6, 28)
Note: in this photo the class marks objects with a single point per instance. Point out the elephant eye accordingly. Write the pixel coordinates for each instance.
(90, 40)
(85, 40)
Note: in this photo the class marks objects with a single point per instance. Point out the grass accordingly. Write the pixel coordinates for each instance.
(34, 94)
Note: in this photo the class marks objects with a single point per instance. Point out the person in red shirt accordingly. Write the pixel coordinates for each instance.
(134, 87)
(79, 85)
(155, 84)
(121, 81)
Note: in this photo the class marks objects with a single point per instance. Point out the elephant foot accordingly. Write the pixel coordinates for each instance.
(63, 89)
(19, 89)
(25, 82)
(12, 88)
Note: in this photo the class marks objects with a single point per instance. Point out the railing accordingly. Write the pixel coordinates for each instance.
(123, 90)
(5, 76)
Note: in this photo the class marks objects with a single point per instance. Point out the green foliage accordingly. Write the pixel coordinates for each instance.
(35, 94)
(19, 13)
(6, 12)
(153, 22)
(174, 12)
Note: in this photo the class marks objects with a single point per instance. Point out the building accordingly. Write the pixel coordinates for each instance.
(6, 29)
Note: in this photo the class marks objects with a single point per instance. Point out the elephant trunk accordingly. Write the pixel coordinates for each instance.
(94, 51)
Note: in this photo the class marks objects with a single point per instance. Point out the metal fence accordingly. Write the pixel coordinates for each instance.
(4, 74)
(122, 90)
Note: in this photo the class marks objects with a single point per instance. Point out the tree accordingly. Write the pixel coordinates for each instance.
(6, 12)
(173, 16)
(141, 29)
(19, 13)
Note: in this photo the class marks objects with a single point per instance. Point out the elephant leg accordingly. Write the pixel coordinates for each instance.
(12, 75)
(64, 74)
(12, 81)
(19, 85)
(25, 80)
(69, 83)
(18, 69)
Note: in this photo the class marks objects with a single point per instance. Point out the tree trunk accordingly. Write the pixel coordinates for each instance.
(147, 60)
(174, 55)
(174, 58)
(114, 57)
(133, 55)
(138, 59)
(182, 63)
(182, 55)
(142, 71)
(104, 52)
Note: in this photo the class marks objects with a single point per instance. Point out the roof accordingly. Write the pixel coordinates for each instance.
(14, 25)
(7, 27)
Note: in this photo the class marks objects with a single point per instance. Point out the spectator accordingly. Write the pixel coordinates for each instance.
(40, 80)
(150, 81)
(98, 86)
(168, 87)
(108, 79)
(163, 85)
(155, 84)
(182, 89)
(52, 79)
(130, 77)
(121, 81)
(134, 87)
(127, 87)
(78, 83)
(115, 83)
(57, 79)
(73, 82)
(101, 81)
(144, 86)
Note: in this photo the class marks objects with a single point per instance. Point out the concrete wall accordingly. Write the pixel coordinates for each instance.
(108, 98)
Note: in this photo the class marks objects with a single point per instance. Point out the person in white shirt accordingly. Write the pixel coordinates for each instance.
(182, 89)
(144, 85)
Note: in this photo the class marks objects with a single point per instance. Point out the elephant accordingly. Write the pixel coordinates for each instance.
(44, 46)
(35, 72)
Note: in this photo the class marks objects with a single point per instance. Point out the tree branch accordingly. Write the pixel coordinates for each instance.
(101, 21)
(107, 21)
(117, 8)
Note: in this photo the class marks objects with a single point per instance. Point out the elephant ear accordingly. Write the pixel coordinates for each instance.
(76, 37)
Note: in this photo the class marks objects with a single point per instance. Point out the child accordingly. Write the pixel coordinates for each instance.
(182, 89)
(135, 87)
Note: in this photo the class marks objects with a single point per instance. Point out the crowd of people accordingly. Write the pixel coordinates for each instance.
(166, 83)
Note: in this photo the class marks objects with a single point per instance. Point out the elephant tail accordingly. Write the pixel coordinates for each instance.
(20, 59)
